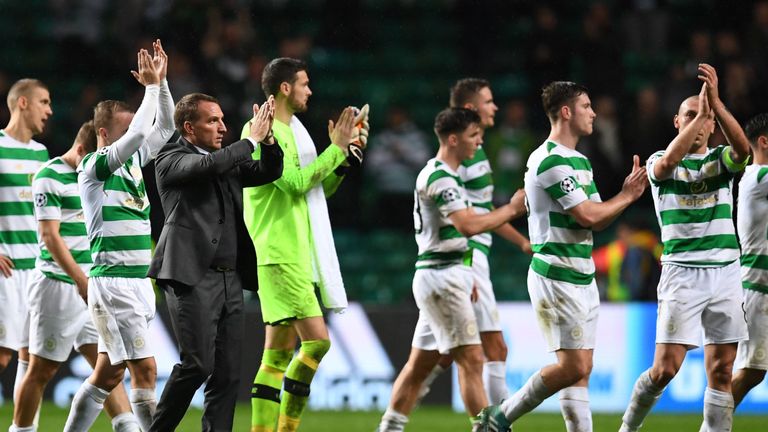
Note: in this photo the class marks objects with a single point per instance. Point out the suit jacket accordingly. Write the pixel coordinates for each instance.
(190, 186)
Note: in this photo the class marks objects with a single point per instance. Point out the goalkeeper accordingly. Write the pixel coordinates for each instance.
(290, 228)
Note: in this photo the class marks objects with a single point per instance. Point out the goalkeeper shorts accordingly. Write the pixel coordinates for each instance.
(286, 293)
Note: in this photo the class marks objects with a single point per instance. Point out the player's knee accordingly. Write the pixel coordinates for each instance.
(663, 374)
(110, 381)
(41, 375)
(145, 376)
(499, 354)
(576, 369)
(277, 359)
(720, 372)
(579, 371)
(316, 349)
(470, 357)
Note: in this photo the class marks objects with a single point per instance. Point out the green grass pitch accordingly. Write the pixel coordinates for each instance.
(425, 419)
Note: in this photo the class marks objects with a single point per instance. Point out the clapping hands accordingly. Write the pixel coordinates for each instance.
(261, 124)
(148, 73)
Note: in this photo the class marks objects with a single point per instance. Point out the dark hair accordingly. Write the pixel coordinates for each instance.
(558, 93)
(756, 126)
(87, 136)
(22, 87)
(186, 109)
(106, 110)
(278, 71)
(454, 121)
(465, 89)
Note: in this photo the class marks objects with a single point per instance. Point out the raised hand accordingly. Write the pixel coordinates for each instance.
(261, 124)
(704, 107)
(160, 59)
(342, 132)
(708, 74)
(637, 180)
(147, 73)
(362, 127)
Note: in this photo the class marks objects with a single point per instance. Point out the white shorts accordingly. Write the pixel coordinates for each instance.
(753, 353)
(14, 310)
(692, 298)
(121, 309)
(486, 311)
(567, 313)
(59, 319)
(446, 317)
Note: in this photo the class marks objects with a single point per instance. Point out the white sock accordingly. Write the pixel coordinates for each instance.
(574, 404)
(645, 394)
(15, 428)
(86, 406)
(495, 379)
(533, 393)
(425, 386)
(718, 410)
(144, 403)
(125, 422)
(392, 421)
(21, 370)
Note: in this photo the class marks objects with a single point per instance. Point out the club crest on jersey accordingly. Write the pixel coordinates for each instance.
(450, 195)
(698, 187)
(102, 151)
(41, 200)
(136, 172)
(568, 185)
(135, 202)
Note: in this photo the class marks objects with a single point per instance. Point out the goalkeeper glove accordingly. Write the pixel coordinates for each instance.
(359, 141)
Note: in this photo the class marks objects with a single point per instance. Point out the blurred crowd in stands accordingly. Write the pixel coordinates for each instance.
(637, 57)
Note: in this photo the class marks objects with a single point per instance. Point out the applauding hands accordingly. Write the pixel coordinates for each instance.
(261, 124)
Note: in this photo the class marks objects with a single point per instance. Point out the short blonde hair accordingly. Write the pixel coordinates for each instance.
(22, 87)
(87, 136)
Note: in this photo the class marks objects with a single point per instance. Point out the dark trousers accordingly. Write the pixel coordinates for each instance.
(208, 322)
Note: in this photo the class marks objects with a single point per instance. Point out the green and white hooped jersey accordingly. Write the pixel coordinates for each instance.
(439, 192)
(557, 179)
(752, 223)
(18, 229)
(694, 208)
(478, 184)
(57, 197)
(116, 210)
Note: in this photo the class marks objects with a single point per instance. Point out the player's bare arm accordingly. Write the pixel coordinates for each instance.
(598, 215)
(681, 145)
(510, 234)
(733, 132)
(469, 223)
(49, 232)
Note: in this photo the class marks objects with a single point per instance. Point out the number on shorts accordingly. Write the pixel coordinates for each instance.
(418, 224)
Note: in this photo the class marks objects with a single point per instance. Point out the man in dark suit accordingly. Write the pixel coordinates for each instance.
(204, 257)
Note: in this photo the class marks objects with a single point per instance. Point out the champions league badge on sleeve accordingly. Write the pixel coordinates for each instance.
(450, 195)
(41, 200)
(568, 185)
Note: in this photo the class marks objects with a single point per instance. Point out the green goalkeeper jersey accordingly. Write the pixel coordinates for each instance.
(276, 214)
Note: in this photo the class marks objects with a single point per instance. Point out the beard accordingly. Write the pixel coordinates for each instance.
(296, 106)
